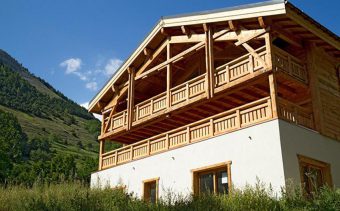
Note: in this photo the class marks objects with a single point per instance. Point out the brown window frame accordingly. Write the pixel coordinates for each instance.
(215, 168)
(146, 195)
(325, 169)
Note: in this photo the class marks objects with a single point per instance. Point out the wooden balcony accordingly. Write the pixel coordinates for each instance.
(244, 116)
(227, 75)
(228, 121)
(295, 114)
(290, 65)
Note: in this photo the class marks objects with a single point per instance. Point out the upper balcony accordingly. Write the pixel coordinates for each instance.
(231, 74)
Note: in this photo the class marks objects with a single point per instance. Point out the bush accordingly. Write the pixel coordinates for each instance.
(77, 196)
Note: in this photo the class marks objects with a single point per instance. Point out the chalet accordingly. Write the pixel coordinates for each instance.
(224, 98)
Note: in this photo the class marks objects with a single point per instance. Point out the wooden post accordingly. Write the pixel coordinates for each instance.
(167, 142)
(131, 152)
(211, 127)
(168, 76)
(116, 155)
(268, 41)
(314, 88)
(238, 119)
(101, 152)
(227, 72)
(188, 134)
(251, 64)
(131, 91)
(273, 94)
(103, 124)
(149, 147)
(209, 59)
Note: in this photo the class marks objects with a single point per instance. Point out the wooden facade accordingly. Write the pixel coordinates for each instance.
(194, 80)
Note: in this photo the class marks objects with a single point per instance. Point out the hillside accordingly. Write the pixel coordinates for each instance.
(46, 114)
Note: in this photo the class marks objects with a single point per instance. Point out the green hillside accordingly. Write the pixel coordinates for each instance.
(44, 114)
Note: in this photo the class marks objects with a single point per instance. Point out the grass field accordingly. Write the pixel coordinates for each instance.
(75, 196)
(69, 134)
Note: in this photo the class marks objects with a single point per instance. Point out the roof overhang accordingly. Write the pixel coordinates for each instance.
(268, 8)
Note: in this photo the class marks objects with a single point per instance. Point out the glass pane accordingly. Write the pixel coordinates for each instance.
(206, 183)
(222, 182)
(316, 178)
(153, 192)
(306, 180)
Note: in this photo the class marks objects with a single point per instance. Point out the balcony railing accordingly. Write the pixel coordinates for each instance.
(239, 67)
(240, 117)
(295, 114)
(189, 91)
(289, 64)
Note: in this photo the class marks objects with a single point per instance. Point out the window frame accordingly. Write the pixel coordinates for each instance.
(146, 195)
(215, 169)
(325, 169)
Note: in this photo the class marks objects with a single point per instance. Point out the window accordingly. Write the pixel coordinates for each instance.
(150, 190)
(212, 179)
(314, 174)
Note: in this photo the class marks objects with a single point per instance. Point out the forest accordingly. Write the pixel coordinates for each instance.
(28, 161)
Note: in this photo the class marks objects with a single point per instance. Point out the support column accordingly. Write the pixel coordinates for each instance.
(314, 87)
(101, 152)
(209, 58)
(131, 92)
(273, 94)
(168, 76)
(268, 41)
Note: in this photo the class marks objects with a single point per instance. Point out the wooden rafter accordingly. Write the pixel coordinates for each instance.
(261, 22)
(232, 25)
(179, 56)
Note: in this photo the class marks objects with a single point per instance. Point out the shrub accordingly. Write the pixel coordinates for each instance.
(77, 196)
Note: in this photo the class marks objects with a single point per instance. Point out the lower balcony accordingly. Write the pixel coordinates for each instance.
(225, 122)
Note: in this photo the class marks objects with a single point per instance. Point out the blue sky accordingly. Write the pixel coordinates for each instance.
(77, 45)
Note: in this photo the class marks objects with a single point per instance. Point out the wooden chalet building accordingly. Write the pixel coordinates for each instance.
(221, 98)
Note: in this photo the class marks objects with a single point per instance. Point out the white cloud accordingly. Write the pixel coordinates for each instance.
(72, 65)
(81, 76)
(86, 105)
(92, 85)
(111, 66)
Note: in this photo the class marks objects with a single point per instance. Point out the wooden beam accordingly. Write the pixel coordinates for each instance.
(101, 152)
(147, 52)
(164, 32)
(273, 94)
(256, 33)
(205, 27)
(254, 54)
(179, 56)
(209, 59)
(154, 55)
(268, 43)
(232, 25)
(168, 76)
(261, 22)
(131, 92)
(186, 31)
(314, 87)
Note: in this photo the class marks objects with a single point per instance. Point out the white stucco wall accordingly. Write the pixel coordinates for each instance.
(259, 157)
(298, 140)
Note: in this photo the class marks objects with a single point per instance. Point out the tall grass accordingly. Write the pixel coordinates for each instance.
(76, 196)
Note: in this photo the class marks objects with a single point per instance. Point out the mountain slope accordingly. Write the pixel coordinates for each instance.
(44, 112)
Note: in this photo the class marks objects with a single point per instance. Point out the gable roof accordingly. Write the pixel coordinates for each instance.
(267, 8)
